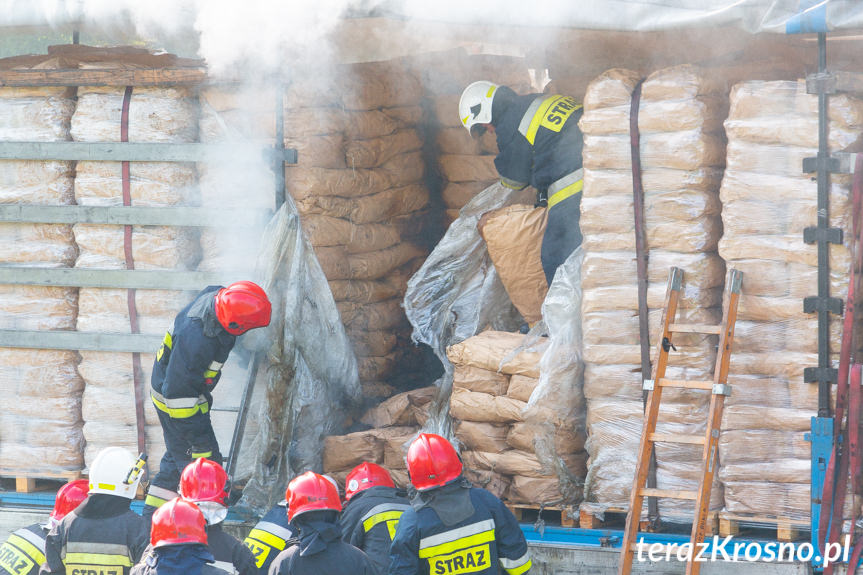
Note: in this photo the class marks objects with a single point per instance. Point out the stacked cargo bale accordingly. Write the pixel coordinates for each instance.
(359, 187)
(155, 115)
(682, 154)
(395, 422)
(492, 384)
(41, 418)
(465, 165)
(767, 201)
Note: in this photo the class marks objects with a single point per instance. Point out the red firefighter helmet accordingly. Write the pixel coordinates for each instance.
(366, 475)
(242, 306)
(204, 480)
(69, 497)
(178, 521)
(432, 462)
(311, 492)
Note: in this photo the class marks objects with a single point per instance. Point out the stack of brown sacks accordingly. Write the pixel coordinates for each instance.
(41, 417)
(682, 154)
(767, 201)
(491, 388)
(466, 165)
(362, 200)
(155, 115)
(395, 422)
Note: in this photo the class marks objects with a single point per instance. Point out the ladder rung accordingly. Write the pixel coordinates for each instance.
(677, 438)
(669, 493)
(695, 328)
(686, 384)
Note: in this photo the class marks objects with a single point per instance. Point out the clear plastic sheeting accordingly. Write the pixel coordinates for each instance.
(457, 291)
(555, 417)
(682, 227)
(310, 370)
(764, 459)
(777, 16)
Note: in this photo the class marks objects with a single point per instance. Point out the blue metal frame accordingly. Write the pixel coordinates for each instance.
(821, 438)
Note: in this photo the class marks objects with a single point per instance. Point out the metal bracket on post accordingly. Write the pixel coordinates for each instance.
(721, 389)
(813, 234)
(821, 438)
(647, 385)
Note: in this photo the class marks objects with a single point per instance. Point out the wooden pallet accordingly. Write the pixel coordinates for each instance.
(566, 519)
(787, 529)
(42, 481)
(616, 516)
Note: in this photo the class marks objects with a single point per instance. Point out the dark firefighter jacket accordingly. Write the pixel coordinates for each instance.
(539, 141)
(455, 531)
(186, 559)
(321, 550)
(102, 536)
(24, 551)
(188, 366)
(230, 554)
(369, 522)
(270, 536)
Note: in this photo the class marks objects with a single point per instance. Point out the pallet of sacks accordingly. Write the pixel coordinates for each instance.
(155, 115)
(499, 438)
(465, 165)
(767, 201)
(682, 156)
(394, 423)
(42, 429)
(363, 202)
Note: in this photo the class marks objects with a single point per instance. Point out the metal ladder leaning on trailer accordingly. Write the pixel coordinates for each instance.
(718, 388)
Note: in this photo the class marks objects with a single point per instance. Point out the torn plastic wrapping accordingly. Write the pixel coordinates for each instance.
(457, 292)
(764, 459)
(310, 370)
(556, 409)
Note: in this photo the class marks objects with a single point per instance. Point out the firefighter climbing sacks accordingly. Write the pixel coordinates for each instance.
(462, 550)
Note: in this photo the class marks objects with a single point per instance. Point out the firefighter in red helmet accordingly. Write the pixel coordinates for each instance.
(372, 512)
(313, 509)
(205, 483)
(453, 527)
(24, 551)
(187, 369)
(178, 542)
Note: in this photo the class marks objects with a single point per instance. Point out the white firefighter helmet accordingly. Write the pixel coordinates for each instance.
(111, 469)
(474, 107)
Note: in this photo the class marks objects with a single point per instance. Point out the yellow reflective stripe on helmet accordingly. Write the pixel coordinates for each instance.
(380, 518)
(97, 559)
(105, 486)
(267, 538)
(28, 548)
(202, 454)
(490, 91)
(449, 541)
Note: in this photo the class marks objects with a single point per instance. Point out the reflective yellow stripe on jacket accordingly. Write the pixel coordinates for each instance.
(516, 566)
(462, 550)
(567, 186)
(19, 555)
(99, 557)
(388, 513)
(265, 537)
(181, 407)
(549, 112)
